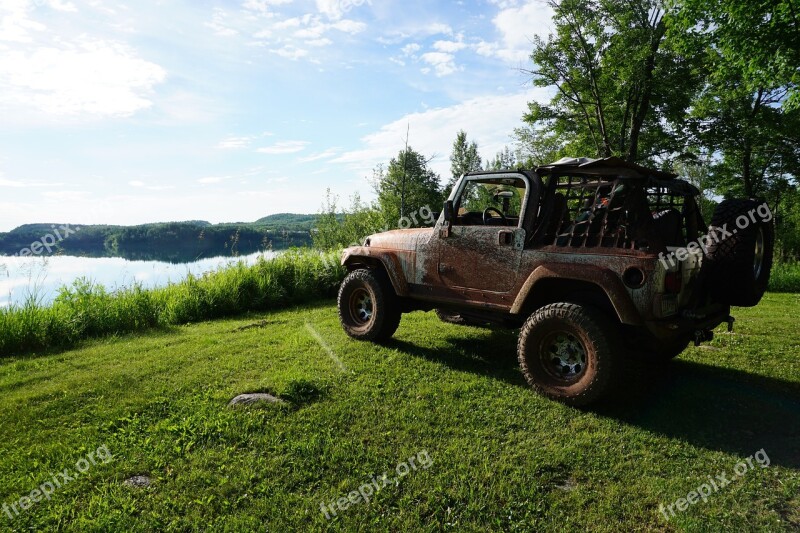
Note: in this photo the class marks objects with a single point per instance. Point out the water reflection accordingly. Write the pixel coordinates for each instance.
(43, 276)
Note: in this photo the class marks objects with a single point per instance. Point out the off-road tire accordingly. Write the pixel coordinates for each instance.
(597, 337)
(368, 306)
(732, 274)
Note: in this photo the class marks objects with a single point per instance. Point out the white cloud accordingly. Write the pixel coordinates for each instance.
(15, 24)
(327, 154)
(285, 147)
(443, 64)
(397, 36)
(263, 6)
(517, 27)
(319, 42)
(281, 36)
(410, 49)
(91, 77)
(450, 46)
(219, 24)
(489, 120)
(62, 76)
(437, 28)
(230, 143)
(349, 26)
(335, 9)
(60, 5)
(290, 52)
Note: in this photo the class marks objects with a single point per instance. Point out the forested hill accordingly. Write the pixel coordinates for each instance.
(169, 241)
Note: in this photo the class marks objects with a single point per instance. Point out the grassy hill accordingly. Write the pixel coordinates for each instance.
(289, 221)
(501, 458)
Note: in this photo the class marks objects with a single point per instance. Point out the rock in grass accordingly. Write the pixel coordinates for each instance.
(138, 482)
(252, 399)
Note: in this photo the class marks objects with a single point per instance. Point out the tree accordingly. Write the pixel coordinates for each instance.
(406, 183)
(503, 160)
(744, 113)
(759, 40)
(622, 89)
(465, 158)
(335, 229)
(537, 147)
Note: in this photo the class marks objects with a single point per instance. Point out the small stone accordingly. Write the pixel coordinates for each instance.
(138, 482)
(251, 399)
(567, 485)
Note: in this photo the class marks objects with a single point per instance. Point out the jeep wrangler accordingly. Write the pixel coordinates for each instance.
(594, 260)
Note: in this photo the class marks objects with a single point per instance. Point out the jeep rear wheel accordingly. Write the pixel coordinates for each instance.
(368, 307)
(567, 352)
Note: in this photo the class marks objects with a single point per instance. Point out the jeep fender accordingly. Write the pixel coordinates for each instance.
(602, 278)
(357, 256)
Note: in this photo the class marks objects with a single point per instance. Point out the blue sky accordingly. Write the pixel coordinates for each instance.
(128, 113)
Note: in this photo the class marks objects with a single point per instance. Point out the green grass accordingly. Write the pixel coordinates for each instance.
(86, 310)
(503, 459)
(785, 277)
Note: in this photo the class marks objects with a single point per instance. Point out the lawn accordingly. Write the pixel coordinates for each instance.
(488, 454)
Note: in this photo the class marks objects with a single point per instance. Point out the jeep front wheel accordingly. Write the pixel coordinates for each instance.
(567, 352)
(368, 307)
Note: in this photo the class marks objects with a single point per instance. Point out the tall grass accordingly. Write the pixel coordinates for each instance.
(785, 277)
(85, 310)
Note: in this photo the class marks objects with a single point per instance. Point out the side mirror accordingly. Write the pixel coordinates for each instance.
(448, 211)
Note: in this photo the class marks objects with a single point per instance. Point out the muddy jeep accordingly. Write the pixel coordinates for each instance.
(594, 260)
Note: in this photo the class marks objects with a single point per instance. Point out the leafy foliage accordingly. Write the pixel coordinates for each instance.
(465, 158)
(612, 66)
(406, 186)
(335, 230)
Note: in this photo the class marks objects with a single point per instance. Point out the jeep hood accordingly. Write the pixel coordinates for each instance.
(399, 239)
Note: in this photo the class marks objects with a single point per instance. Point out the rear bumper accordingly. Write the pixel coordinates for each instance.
(688, 322)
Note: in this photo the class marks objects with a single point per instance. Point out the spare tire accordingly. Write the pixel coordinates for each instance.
(739, 253)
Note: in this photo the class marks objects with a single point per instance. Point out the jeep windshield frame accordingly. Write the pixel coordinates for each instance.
(529, 203)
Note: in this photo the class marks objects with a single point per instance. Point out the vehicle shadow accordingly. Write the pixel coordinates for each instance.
(493, 355)
(714, 408)
(707, 406)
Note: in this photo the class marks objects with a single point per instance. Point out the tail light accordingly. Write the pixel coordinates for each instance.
(673, 282)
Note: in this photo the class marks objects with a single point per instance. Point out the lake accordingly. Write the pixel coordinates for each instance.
(43, 276)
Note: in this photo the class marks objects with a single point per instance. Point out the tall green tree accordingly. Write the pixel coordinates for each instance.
(464, 158)
(745, 113)
(621, 87)
(505, 159)
(405, 186)
(759, 40)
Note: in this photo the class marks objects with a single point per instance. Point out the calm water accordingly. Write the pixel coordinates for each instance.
(44, 275)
